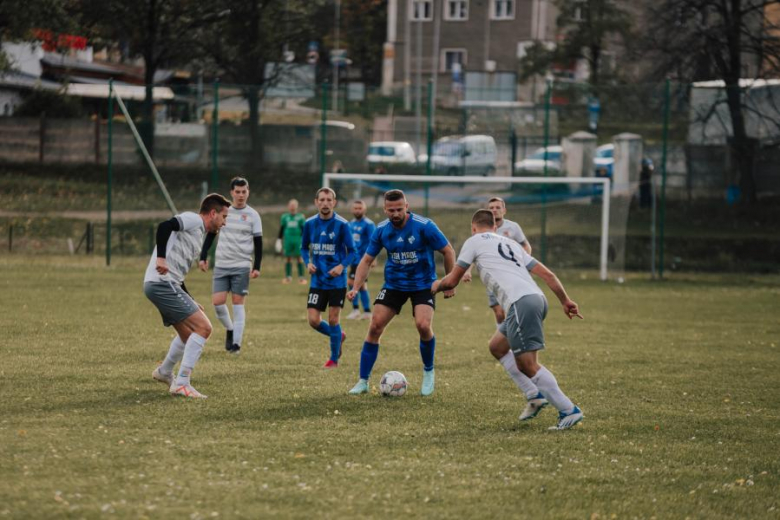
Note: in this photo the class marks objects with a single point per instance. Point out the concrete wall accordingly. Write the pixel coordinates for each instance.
(79, 141)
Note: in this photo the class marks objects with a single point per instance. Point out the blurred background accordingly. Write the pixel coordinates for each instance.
(674, 101)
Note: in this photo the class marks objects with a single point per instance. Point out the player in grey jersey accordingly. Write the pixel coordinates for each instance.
(505, 269)
(178, 245)
(238, 240)
(505, 228)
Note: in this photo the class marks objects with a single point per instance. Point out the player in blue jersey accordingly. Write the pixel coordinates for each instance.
(327, 249)
(362, 228)
(410, 241)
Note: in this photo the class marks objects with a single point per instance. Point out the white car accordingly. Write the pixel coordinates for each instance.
(535, 162)
(604, 160)
(469, 155)
(390, 152)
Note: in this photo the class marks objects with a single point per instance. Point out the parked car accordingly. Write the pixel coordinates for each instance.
(469, 155)
(385, 153)
(535, 163)
(604, 160)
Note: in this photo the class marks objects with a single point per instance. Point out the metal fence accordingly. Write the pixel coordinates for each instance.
(203, 137)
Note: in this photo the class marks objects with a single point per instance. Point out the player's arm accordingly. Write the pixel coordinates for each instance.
(204, 251)
(258, 241)
(450, 281)
(305, 249)
(526, 245)
(570, 308)
(164, 231)
(361, 274)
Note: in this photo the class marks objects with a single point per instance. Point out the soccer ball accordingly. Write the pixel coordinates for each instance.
(393, 384)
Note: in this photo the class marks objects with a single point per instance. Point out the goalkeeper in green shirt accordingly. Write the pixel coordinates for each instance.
(289, 241)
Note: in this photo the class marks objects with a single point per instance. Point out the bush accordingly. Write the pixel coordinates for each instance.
(53, 103)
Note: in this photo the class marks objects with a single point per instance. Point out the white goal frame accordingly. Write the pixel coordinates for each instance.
(436, 179)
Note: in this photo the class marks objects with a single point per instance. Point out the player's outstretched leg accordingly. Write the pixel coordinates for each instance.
(193, 347)
(223, 315)
(164, 372)
(427, 350)
(568, 413)
(367, 359)
(239, 312)
(501, 350)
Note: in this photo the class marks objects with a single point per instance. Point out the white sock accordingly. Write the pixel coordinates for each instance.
(175, 352)
(522, 381)
(238, 326)
(223, 315)
(549, 388)
(192, 351)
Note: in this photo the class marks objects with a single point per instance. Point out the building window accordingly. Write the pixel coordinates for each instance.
(456, 10)
(421, 10)
(502, 9)
(449, 57)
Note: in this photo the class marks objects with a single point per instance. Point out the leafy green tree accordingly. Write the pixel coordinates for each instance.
(254, 34)
(18, 19)
(163, 32)
(693, 40)
(587, 27)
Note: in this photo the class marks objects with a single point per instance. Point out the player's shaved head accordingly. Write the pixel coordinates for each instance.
(213, 201)
(483, 218)
(393, 195)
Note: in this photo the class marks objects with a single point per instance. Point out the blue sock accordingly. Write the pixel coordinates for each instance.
(368, 358)
(427, 349)
(335, 342)
(323, 328)
(364, 300)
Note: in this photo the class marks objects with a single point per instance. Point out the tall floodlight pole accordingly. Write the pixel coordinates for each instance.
(667, 95)
(215, 139)
(547, 97)
(110, 173)
(337, 62)
(408, 10)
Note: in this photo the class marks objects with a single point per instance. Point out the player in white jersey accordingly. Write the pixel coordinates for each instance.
(178, 245)
(241, 237)
(505, 228)
(505, 269)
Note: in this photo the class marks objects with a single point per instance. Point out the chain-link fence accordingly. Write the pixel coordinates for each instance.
(672, 165)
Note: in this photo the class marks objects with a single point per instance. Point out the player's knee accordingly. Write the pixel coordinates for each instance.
(333, 322)
(496, 349)
(425, 329)
(204, 329)
(314, 321)
(527, 366)
(375, 330)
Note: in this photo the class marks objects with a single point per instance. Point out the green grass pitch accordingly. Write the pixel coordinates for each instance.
(678, 381)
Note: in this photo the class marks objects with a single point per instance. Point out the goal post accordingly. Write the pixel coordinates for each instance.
(571, 188)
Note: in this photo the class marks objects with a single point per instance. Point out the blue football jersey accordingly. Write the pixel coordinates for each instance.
(361, 235)
(330, 242)
(410, 263)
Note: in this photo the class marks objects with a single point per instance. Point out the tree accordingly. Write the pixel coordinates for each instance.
(163, 32)
(715, 40)
(18, 19)
(254, 34)
(586, 27)
(366, 21)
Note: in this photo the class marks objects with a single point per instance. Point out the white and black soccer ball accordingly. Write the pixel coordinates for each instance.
(393, 383)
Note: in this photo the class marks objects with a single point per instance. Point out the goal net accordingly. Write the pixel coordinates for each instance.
(567, 220)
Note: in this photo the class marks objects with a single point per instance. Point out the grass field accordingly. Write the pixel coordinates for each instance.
(678, 381)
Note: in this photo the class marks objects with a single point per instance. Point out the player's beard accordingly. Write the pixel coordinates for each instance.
(397, 220)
